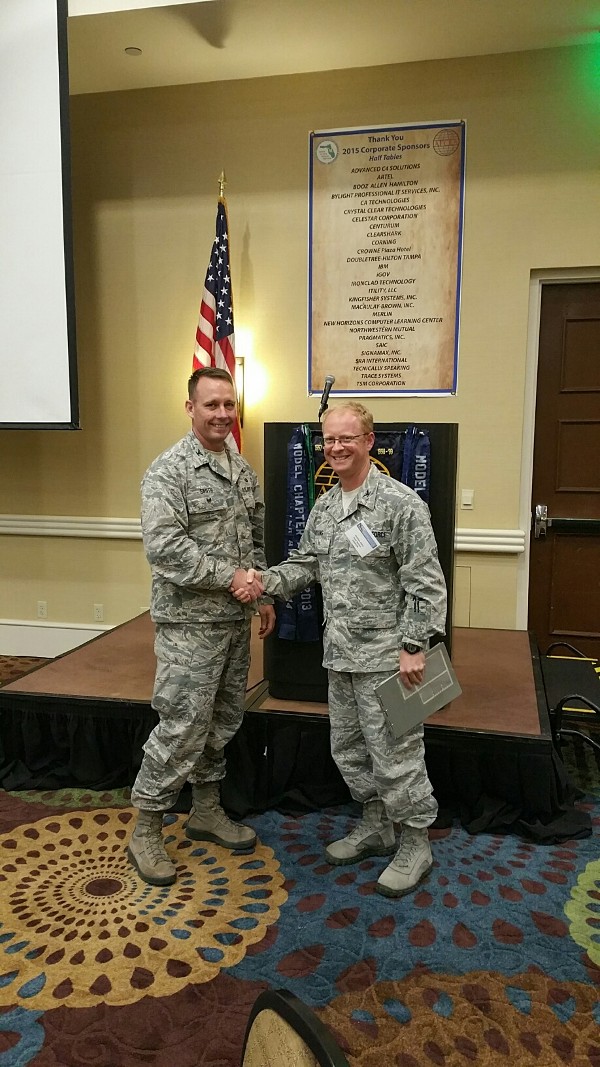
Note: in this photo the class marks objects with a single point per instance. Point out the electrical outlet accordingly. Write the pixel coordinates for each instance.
(42, 609)
(98, 612)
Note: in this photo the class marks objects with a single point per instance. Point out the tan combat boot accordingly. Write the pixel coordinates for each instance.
(208, 821)
(411, 864)
(373, 836)
(146, 850)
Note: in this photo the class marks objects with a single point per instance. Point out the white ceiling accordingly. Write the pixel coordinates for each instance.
(230, 39)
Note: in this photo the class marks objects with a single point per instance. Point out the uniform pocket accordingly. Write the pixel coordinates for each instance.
(383, 549)
(203, 506)
(157, 750)
(204, 511)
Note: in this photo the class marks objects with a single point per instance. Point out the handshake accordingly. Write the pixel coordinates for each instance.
(246, 585)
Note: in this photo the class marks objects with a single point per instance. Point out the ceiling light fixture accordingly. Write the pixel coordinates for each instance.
(133, 51)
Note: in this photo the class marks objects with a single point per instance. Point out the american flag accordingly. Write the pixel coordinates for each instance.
(215, 344)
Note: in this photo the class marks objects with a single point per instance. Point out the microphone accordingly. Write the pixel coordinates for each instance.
(329, 380)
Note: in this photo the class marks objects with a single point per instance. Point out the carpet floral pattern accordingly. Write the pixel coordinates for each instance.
(78, 926)
(475, 1018)
(494, 960)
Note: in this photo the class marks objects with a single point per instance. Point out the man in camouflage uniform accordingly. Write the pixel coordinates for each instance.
(384, 597)
(202, 524)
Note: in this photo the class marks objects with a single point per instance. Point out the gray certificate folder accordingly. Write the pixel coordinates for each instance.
(406, 708)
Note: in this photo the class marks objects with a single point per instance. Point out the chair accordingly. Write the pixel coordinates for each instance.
(284, 1032)
(567, 679)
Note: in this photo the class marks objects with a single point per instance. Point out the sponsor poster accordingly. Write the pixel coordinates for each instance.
(386, 209)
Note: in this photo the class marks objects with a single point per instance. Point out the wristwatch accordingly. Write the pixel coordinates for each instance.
(411, 648)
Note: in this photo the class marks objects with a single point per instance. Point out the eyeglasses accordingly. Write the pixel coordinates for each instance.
(346, 439)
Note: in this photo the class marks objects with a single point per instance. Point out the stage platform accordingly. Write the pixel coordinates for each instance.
(81, 720)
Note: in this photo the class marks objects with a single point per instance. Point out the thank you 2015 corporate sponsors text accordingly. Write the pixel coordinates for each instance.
(385, 251)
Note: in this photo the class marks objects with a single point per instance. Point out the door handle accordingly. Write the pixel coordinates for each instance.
(540, 522)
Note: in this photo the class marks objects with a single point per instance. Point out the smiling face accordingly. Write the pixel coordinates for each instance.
(351, 460)
(212, 411)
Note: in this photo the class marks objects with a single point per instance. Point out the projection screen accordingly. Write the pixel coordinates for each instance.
(38, 371)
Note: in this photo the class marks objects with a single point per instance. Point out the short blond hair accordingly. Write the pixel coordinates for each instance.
(355, 408)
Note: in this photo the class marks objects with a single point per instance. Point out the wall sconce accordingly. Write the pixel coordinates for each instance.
(239, 386)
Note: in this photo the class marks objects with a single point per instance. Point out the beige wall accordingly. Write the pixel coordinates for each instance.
(145, 170)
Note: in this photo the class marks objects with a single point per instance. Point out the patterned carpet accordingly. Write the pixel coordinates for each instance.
(495, 960)
(12, 667)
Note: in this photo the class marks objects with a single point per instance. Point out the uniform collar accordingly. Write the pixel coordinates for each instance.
(202, 457)
(366, 496)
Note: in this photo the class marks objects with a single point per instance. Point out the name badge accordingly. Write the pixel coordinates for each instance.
(362, 539)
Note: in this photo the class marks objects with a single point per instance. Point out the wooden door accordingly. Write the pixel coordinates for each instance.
(564, 576)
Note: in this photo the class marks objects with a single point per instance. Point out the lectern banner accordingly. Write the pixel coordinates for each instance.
(386, 208)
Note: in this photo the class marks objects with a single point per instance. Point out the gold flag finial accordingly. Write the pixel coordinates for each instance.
(222, 184)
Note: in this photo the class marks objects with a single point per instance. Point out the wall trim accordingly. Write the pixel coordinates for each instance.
(21, 637)
(465, 540)
(70, 526)
(504, 541)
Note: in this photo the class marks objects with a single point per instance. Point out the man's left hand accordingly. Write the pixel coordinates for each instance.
(412, 668)
(267, 620)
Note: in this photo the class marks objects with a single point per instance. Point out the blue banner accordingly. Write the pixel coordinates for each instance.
(416, 461)
(298, 618)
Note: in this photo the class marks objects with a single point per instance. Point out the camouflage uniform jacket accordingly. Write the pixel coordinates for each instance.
(198, 528)
(371, 603)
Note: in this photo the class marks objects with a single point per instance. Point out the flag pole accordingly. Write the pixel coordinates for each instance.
(238, 375)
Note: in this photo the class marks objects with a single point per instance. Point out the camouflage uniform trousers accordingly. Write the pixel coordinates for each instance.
(199, 693)
(370, 759)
